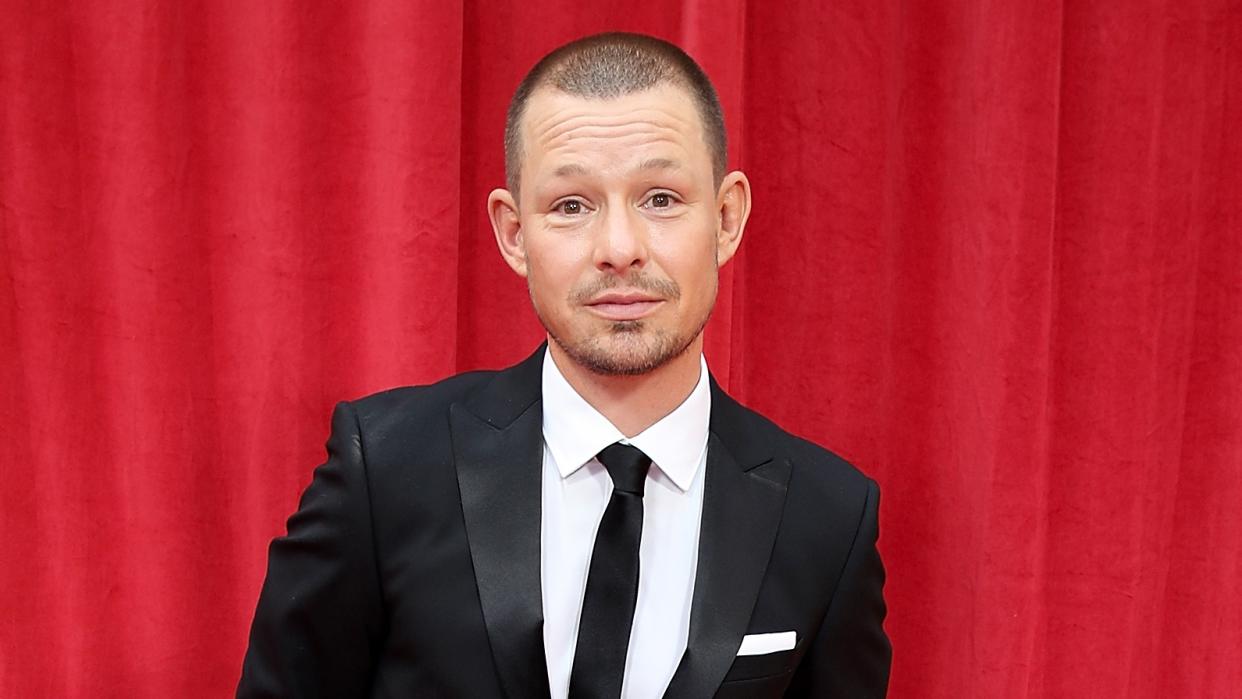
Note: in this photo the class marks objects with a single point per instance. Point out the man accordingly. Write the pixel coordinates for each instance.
(600, 520)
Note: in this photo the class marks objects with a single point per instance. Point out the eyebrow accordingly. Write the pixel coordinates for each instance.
(659, 164)
(569, 169)
(574, 169)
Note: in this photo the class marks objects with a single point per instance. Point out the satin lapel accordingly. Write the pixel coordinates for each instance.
(742, 503)
(498, 444)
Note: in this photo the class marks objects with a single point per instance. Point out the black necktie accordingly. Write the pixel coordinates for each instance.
(612, 583)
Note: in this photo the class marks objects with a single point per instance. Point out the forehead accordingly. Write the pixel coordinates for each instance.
(557, 125)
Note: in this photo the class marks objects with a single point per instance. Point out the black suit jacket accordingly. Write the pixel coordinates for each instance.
(411, 567)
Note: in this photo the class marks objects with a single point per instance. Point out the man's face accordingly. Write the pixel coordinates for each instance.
(619, 230)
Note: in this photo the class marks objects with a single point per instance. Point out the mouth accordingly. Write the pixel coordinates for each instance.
(618, 306)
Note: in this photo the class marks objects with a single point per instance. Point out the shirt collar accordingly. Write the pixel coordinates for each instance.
(575, 432)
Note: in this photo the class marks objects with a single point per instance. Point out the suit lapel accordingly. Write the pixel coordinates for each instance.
(742, 503)
(498, 445)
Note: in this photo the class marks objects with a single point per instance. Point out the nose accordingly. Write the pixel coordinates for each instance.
(621, 241)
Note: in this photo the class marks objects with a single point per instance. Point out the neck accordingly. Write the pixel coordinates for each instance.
(634, 403)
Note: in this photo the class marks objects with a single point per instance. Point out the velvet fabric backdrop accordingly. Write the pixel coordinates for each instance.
(995, 260)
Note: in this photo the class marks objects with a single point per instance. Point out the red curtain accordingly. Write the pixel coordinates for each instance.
(995, 260)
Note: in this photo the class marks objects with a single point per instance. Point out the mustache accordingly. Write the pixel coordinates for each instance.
(666, 289)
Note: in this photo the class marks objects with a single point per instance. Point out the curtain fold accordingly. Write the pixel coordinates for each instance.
(995, 260)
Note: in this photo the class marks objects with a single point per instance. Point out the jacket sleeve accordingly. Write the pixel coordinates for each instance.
(319, 622)
(851, 655)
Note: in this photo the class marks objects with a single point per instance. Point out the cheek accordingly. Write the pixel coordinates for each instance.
(693, 263)
(550, 277)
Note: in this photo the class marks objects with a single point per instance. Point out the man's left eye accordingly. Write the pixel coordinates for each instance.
(660, 201)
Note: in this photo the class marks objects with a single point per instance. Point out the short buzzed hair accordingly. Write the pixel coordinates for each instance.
(610, 65)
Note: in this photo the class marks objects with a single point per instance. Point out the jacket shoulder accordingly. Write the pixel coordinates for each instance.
(416, 403)
(808, 459)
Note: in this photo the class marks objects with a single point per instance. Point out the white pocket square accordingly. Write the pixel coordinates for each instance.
(763, 643)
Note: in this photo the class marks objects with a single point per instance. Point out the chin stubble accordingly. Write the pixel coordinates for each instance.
(634, 357)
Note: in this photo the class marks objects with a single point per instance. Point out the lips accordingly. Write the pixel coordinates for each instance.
(624, 306)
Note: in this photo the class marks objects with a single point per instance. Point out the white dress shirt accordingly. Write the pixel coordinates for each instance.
(576, 489)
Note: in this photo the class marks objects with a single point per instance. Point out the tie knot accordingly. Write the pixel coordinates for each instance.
(627, 466)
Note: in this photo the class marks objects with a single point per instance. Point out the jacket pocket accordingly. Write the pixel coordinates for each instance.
(750, 667)
(767, 687)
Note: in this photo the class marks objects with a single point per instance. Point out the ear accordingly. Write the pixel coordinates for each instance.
(733, 204)
(503, 212)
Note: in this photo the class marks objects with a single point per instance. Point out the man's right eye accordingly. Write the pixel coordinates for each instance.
(571, 207)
